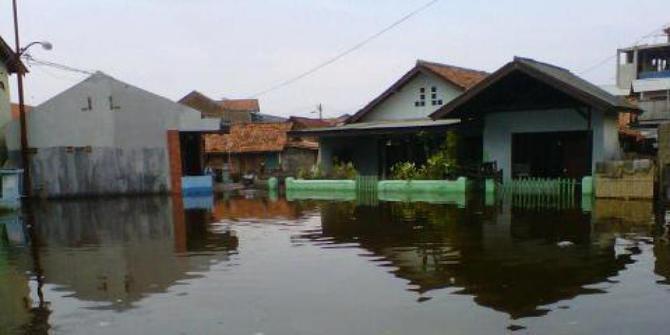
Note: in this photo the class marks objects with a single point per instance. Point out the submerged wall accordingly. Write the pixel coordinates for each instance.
(102, 136)
(364, 153)
(59, 172)
(499, 128)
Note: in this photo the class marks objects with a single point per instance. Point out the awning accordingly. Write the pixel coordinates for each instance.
(650, 85)
(378, 128)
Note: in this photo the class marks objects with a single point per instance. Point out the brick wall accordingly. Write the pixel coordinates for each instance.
(174, 157)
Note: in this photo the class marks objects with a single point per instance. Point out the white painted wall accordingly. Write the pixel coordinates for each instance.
(140, 121)
(400, 105)
(5, 106)
(499, 127)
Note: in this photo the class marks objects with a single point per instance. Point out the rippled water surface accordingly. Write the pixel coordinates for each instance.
(259, 265)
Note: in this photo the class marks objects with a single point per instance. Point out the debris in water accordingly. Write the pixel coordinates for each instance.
(515, 327)
(564, 244)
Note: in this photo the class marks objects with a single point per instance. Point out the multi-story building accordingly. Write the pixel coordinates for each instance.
(643, 74)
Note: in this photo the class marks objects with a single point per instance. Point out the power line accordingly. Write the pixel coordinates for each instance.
(605, 60)
(33, 61)
(347, 51)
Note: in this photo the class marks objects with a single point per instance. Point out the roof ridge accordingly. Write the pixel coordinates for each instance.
(527, 59)
(425, 62)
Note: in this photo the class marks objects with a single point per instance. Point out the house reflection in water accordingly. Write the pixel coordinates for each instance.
(261, 208)
(113, 253)
(508, 260)
(118, 251)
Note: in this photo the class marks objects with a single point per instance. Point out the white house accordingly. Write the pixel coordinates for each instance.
(540, 120)
(392, 127)
(9, 64)
(103, 136)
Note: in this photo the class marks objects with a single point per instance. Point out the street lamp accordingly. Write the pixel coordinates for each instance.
(45, 45)
(25, 155)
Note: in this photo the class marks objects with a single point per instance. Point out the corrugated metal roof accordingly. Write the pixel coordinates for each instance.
(650, 85)
(615, 90)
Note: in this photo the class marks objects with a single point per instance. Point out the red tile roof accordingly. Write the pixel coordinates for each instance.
(251, 137)
(300, 122)
(231, 110)
(461, 77)
(458, 76)
(201, 103)
(250, 105)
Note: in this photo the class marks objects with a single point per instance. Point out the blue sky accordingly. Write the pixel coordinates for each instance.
(237, 48)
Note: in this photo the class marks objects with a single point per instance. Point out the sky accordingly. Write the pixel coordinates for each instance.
(235, 49)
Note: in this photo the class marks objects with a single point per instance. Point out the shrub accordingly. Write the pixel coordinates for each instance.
(406, 171)
(344, 171)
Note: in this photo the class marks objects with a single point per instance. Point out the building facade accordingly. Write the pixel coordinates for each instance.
(9, 64)
(263, 149)
(103, 136)
(540, 120)
(643, 75)
(395, 126)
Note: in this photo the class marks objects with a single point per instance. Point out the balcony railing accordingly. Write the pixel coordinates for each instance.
(655, 110)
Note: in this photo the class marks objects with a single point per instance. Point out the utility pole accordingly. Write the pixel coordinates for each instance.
(25, 155)
(319, 109)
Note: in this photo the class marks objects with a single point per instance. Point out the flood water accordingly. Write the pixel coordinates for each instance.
(254, 264)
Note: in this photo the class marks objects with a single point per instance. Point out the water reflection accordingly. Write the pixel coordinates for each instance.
(264, 260)
(507, 259)
(111, 253)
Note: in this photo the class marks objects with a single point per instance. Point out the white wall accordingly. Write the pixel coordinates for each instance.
(139, 118)
(400, 105)
(128, 139)
(499, 127)
(5, 106)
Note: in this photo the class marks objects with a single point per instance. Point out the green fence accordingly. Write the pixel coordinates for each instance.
(366, 190)
(540, 192)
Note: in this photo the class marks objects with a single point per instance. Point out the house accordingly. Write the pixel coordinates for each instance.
(103, 136)
(643, 75)
(9, 64)
(395, 127)
(540, 120)
(261, 148)
(228, 110)
(300, 122)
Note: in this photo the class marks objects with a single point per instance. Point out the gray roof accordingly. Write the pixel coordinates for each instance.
(577, 82)
(377, 127)
(558, 77)
(267, 118)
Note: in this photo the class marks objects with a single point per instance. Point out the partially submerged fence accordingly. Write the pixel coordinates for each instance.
(366, 190)
(540, 192)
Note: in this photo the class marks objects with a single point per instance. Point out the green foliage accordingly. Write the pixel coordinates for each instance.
(406, 171)
(344, 171)
(442, 164)
(340, 171)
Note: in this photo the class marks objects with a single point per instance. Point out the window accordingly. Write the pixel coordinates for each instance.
(422, 98)
(89, 105)
(437, 102)
(111, 104)
(433, 96)
(2, 86)
(433, 89)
